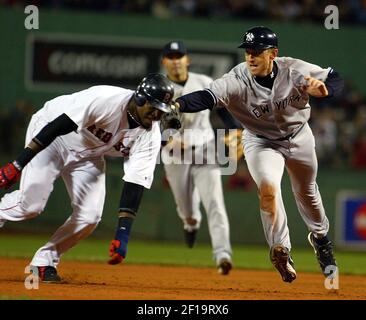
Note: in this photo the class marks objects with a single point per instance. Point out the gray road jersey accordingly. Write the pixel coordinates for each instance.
(200, 120)
(272, 113)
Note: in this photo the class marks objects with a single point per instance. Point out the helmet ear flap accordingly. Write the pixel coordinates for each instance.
(140, 98)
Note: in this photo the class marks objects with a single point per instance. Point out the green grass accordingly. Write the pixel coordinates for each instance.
(5, 297)
(148, 252)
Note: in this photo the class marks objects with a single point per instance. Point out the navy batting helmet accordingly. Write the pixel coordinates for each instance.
(157, 90)
(259, 38)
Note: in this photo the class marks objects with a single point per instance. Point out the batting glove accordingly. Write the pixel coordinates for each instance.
(118, 246)
(116, 252)
(9, 175)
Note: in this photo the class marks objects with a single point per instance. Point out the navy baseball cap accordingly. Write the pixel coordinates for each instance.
(174, 47)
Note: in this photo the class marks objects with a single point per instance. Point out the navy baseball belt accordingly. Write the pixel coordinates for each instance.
(291, 135)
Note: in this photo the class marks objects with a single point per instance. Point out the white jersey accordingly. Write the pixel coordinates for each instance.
(200, 130)
(272, 113)
(101, 117)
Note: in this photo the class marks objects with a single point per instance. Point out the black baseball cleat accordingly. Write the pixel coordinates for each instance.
(48, 274)
(224, 266)
(190, 237)
(281, 259)
(323, 249)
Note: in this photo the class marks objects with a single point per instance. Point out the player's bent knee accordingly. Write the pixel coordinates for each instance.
(267, 196)
(91, 218)
(30, 211)
(19, 206)
(31, 215)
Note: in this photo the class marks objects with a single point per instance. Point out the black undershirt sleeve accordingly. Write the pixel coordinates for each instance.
(334, 84)
(205, 99)
(60, 126)
(196, 101)
(131, 197)
(229, 121)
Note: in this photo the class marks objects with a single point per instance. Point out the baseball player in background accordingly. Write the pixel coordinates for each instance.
(269, 95)
(69, 137)
(189, 181)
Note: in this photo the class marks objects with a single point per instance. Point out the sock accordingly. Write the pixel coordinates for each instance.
(123, 234)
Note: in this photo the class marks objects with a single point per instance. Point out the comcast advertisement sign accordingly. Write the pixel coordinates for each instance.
(59, 62)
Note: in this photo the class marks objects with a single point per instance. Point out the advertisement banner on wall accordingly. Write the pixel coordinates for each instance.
(351, 220)
(63, 61)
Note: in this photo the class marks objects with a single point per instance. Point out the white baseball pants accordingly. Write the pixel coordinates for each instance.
(85, 183)
(266, 160)
(192, 183)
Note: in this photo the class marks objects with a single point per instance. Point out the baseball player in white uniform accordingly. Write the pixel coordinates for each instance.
(189, 181)
(69, 137)
(269, 96)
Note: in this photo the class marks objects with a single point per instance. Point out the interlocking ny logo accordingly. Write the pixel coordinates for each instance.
(249, 37)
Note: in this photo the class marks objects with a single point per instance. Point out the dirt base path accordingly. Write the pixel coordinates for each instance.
(85, 280)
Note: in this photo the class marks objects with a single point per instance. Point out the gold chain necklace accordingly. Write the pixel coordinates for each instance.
(133, 118)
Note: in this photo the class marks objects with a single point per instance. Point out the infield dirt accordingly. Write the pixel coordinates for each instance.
(86, 280)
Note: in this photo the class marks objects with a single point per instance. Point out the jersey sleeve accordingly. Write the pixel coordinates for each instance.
(206, 80)
(226, 90)
(79, 113)
(90, 106)
(140, 165)
(300, 68)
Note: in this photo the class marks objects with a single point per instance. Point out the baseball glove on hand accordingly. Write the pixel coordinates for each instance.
(171, 120)
(9, 175)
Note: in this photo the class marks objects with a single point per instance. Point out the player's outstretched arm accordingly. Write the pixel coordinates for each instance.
(129, 203)
(196, 101)
(11, 172)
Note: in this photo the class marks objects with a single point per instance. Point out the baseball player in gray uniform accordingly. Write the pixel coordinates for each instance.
(189, 181)
(269, 96)
(69, 137)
